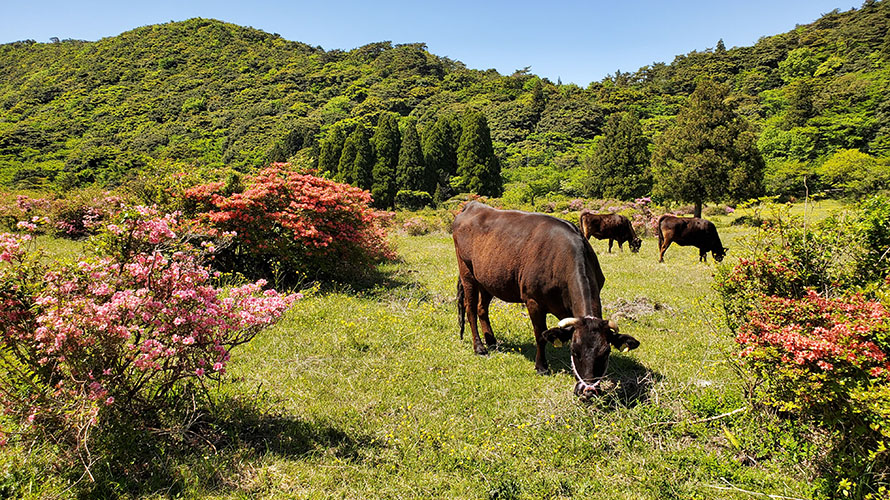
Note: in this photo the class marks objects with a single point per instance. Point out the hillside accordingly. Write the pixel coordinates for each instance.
(204, 94)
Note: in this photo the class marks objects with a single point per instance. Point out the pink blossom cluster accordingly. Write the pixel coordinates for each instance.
(818, 334)
(125, 329)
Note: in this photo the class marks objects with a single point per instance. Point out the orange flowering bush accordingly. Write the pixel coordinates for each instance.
(295, 222)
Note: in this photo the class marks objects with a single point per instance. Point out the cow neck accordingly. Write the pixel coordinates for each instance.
(581, 297)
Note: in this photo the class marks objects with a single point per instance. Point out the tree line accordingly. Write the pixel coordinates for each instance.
(402, 167)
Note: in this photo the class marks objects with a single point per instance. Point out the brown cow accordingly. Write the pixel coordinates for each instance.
(613, 227)
(545, 263)
(686, 231)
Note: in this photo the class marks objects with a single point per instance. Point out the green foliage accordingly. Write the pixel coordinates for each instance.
(619, 165)
(386, 143)
(413, 200)
(440, 152)
(330, 150)
(855, 173)
(213, 95)
(789, 178)
(413, 173)
(357, 159)
(478, 169)
(709, 154)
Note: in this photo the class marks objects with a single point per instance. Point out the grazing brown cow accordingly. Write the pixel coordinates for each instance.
(546, 264)
(613, 227)
(686, 231)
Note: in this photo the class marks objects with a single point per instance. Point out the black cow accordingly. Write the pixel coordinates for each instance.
(545, 263)
(613, 227)
(686, 231)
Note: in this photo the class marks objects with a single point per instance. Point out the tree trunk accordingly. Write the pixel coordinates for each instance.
(697, 209)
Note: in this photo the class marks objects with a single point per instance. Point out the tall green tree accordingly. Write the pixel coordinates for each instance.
(709, 154)
(330, 149)
(357, 159)
(386, 143)
(619, 166)
(478, 169)
(440, 152)
(412, 173)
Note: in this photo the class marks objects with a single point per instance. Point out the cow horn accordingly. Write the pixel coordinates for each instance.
(568, 322)
(613, 325)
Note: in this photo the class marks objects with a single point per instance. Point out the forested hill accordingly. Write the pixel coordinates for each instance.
(204, 94)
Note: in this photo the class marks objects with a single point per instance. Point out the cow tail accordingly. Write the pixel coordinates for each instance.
(660, 235)
(461, 311)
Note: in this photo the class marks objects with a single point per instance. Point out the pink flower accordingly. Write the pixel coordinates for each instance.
(109, 401)
(199, 372)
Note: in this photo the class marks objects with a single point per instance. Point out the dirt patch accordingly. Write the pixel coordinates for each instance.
(636, 308)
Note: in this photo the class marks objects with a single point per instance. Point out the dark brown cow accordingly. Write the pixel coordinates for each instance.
(545, 263)
(613, 227)
(686, 231)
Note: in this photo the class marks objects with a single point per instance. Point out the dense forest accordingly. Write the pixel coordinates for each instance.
(207, 96)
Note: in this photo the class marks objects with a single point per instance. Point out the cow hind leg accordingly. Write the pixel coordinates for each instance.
(471, 299)
(662, 249)
(610, 245)
(539, 322)
(484, 301)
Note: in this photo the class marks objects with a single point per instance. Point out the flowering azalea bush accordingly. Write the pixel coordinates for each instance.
(804, 302)
(816, 356)
(79, 214)
(294, 221)
(120, 336)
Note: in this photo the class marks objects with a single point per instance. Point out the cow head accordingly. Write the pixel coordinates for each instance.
(635, 244)
(720, 253)
(591, 341)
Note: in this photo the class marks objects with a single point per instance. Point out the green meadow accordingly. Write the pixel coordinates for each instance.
(368, 392)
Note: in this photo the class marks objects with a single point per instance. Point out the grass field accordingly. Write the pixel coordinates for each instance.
(371, 394)
(376, 396)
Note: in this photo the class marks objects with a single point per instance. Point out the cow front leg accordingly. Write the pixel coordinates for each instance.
(610, 245)
(539, 322)
(484, 301)
(471, 304)
(703, 256)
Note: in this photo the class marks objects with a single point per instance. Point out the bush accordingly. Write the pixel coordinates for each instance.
(416, 226)
(117, 338)
(804, 303)
(287, 223)
(824, 360)
(413, 200)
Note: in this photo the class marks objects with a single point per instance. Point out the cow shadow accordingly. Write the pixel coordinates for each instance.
(629, 382)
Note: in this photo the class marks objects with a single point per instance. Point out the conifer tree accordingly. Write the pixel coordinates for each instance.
(330, 150)
(357, 159)
(412, 173)
(478, 169)
(709, 154)
(619, 167)
(440, 152)
(386, 142)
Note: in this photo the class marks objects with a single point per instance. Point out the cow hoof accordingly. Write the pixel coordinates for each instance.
(543, 371)
(481, 350)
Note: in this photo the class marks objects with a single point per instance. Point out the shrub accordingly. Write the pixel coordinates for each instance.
(289, 222)
(416, 226)
(825, 360)
(413, 200)
(117, 338)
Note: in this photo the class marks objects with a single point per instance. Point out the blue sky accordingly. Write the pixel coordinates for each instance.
(574, 41)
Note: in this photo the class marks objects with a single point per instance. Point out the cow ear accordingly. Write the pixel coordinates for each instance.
(558, 335)
(725, 249)
(621, 342)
